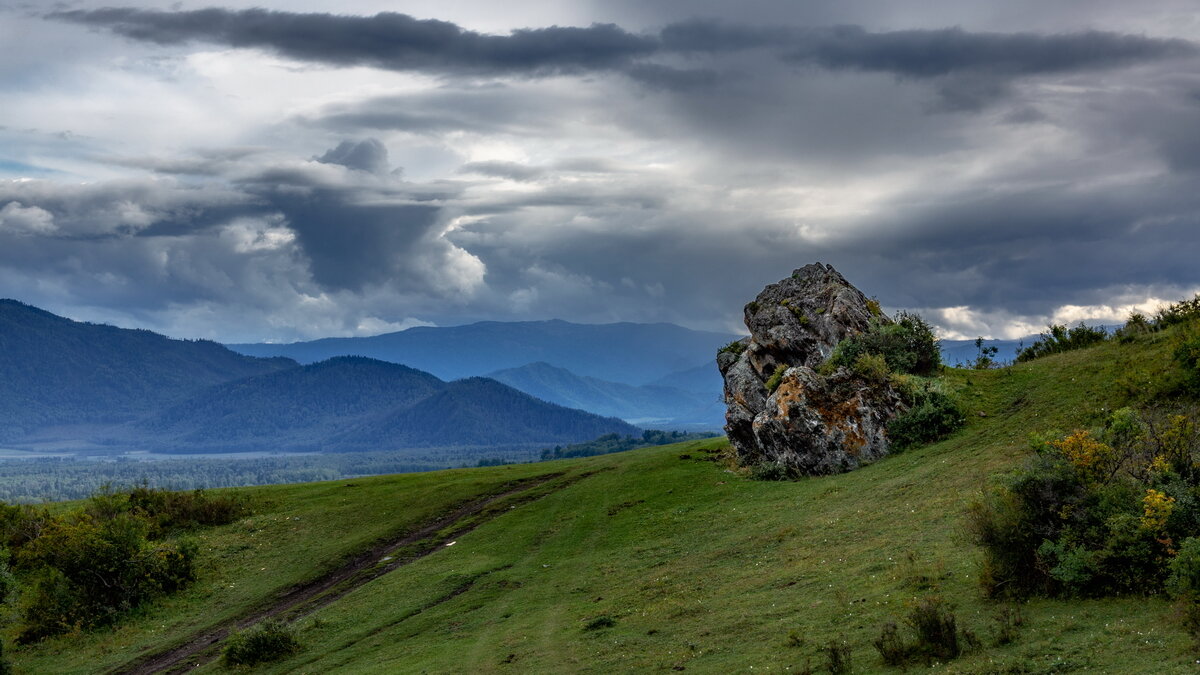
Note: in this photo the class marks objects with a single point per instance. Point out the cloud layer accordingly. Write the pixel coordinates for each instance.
(253, 174)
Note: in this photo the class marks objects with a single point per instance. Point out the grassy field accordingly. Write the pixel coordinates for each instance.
(663, 559)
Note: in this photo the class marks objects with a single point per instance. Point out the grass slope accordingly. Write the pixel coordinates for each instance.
(694, 567)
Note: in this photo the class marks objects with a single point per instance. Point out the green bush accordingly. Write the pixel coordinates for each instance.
(736, 348)
(1183, 311)
(1058, 338)
(1184, 581)
(1097, 514)
(872, 368)
(908, 345)
(837, 657)
(936, 636)
(89, 572)
(268, 641)
(933, 415)
(776, 377)
(167, 511)
(1187, 355)
(771, 471)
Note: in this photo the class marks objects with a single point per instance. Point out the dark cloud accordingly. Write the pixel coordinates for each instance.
(386, 40)
(935, 53)
(664, 175)
(366, 155)
(401, 42)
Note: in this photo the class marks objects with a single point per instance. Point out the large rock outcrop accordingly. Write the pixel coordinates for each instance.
(780, 409)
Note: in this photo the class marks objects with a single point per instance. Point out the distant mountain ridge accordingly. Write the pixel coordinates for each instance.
(57, 371)
(79, 385)
(627, 353)
(653, 404)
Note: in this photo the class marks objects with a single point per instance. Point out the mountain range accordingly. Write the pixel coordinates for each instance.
(650, 404)
(70, 385)
(627, 353)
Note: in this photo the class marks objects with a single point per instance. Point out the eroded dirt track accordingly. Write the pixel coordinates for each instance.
(380, 559)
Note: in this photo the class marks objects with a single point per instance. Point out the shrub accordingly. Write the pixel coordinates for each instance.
(20, 524)
(736, 348)
(892, 649)
(872, 368)
(1094, 515)
(771, 471)
(168, 511)
(936, 635)
(837, 655)
(1137, 324)
(1006, 623)
(1187, 355)
(933, 415)
(1184, 581)
(8, 583)
(1179, 312)
(936, 629)
(1058, 338)
(90, 572)
(776, 377)
(985, 357)
(268, 641)
(908, 345)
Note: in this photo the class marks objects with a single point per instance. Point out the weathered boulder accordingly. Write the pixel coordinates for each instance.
(779, 408)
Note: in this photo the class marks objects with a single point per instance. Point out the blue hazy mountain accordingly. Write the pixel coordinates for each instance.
(78, 385)
(355, 403)
(55, 371)
(629, 353)
(650, 405)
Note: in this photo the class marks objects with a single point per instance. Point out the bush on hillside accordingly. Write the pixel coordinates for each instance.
(1187, 356)
(932, 415)
(936, 636)
(1095, 513)
(1058, 338)
(167, 511)
(89, 572)
(1183, 311)
(90, 566)
(908, 346)
(268, 641)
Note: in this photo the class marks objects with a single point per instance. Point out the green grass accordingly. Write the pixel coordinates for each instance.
(656, 562)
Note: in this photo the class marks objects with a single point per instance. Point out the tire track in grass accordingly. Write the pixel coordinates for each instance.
(380, 559)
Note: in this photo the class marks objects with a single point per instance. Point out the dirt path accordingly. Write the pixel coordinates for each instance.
(379, 560)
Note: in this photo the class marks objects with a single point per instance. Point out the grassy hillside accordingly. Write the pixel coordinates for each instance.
(656, 560)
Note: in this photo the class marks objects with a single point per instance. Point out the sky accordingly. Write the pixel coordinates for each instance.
(271, 171)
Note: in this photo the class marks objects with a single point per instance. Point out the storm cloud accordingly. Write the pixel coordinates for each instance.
(387, 40)
(401, 42)
(308, 174)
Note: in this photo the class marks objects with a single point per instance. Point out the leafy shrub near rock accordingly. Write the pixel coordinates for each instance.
(269, 641)
(1097, 512)
(908, 346)
(776, 377)
(933, 415)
